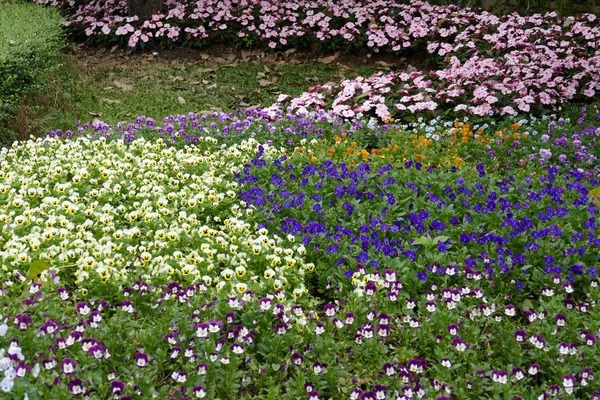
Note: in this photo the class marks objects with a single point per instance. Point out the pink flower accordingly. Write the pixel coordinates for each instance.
(589, 92)
(508, 110)
(132, 41)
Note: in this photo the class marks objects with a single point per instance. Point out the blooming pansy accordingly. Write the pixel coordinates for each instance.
(188, 265)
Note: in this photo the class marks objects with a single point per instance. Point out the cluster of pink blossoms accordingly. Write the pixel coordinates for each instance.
(484, 64)
(500, 66)
(378, 24)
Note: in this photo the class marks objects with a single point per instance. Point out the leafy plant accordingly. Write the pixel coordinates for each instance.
(31, 37)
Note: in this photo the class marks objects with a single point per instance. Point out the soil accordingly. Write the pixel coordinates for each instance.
(229, 56)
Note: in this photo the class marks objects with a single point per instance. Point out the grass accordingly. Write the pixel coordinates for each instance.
(31, 38)
(119, 86)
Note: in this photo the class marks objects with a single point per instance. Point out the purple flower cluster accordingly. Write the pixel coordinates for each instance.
(271, 126)
(525, 213)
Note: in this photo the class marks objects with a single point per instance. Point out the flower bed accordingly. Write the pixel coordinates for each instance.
(380, 25)
(188, 259)
(483, 64)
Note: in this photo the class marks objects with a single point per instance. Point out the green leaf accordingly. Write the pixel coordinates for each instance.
(440, 239)
(35, 270)
(275, 366)
(423, 240)
(527, 304)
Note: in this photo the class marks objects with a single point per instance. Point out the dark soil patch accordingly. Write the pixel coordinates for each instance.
(228, 55)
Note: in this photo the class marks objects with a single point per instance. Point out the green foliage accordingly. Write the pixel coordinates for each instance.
(30, 40)
(35, 270)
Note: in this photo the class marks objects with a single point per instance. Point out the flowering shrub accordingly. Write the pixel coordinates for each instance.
(190, 260)
(487, 66)
(493, 81)
(380, 25)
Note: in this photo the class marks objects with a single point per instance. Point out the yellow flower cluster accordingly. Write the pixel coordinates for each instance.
(115, 211)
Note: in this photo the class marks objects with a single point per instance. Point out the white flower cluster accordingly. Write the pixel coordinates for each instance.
(10, 368)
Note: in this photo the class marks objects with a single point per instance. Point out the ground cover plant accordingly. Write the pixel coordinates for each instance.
(224, 255)
(319, 247)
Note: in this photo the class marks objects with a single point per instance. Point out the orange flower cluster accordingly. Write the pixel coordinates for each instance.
(462, 132)
(505, 135)
(449, 149)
